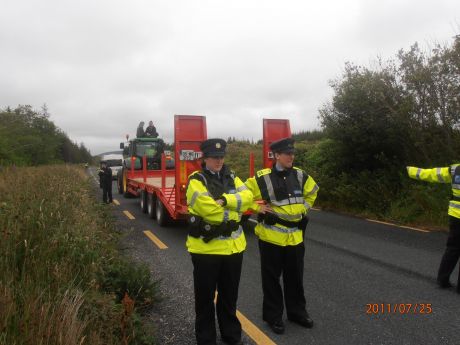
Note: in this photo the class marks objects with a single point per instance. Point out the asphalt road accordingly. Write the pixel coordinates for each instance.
(360, 278)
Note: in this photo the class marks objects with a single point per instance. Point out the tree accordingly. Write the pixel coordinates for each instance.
(365, 118)
(28, 137)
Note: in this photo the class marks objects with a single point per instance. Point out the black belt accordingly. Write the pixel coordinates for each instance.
(455, 198)
(199, 228)
(272, 219)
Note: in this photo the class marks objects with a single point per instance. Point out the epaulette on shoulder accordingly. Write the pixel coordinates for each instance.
(263, 172)
(193, 173)
(197, 175)
(300, 169)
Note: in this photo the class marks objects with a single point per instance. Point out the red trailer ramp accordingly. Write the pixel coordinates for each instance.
(189, 132)
(273, 130)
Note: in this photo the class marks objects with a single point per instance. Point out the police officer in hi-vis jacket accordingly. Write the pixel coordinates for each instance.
(216, 198)
(288, 193)
(450, 174)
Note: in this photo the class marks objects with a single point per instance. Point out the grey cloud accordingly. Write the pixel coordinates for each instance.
(103, 66)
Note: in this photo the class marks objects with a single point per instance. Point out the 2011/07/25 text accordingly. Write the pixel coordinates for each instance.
(398, 308)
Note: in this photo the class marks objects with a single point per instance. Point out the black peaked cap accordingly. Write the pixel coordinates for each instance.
(285, 145)
(213, 147)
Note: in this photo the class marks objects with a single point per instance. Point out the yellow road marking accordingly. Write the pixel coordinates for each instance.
(155, 239)
(399, 226)
(253, 332)
(116, 202)
(129, 215)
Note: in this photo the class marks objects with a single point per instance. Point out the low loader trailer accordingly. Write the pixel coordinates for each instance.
(161, 187)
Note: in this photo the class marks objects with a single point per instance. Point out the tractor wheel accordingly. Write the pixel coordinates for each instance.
(124, 177)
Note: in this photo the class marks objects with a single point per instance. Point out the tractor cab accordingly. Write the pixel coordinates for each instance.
(137, 148)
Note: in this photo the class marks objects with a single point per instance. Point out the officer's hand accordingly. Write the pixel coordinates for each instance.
(220, 202)
(265, 208)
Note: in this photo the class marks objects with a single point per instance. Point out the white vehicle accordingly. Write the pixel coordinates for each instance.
(114, 162)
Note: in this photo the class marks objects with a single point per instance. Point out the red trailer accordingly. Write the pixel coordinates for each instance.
(162, 191)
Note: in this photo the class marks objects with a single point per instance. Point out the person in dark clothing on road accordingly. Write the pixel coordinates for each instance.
(151, 131)
(105, 182)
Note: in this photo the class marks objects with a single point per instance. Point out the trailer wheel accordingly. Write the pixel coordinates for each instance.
(163, 217)
(152, 205)
(143, 201)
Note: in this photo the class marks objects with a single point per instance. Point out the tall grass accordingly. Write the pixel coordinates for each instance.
(58, 252)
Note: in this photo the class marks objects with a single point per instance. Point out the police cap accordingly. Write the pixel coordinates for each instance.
(285, 145)
(213, 148)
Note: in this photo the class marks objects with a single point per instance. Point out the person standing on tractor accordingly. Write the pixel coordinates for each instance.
(216, 199)
(140, 130)
(449, 174)
(287, 193)
(105, 182)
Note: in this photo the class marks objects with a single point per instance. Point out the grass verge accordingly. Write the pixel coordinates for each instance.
(63, 281)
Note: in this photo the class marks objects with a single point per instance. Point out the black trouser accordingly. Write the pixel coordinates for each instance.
(221, 272)
(289, 261)
(451, 254)
(107, 192)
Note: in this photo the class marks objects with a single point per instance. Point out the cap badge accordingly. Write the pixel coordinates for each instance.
(217, 145)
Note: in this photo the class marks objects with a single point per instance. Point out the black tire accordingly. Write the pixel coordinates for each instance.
(152, 206)
(120, 182)
(143, 201)
(163, 217)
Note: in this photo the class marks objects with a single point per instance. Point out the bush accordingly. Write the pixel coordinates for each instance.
(386, 194)
(121, 277)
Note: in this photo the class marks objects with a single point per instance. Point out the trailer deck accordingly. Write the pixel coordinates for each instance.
(156, 181)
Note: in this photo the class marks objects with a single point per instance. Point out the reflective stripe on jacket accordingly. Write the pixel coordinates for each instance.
(450, 174)
(290, 194)
(201, 202)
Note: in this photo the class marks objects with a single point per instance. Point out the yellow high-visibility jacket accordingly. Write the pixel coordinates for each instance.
(450, 174)
(290, 194)
(201, 202)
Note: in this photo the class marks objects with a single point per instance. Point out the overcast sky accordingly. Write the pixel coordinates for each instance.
(102, 66)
